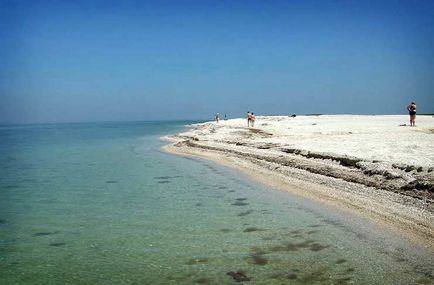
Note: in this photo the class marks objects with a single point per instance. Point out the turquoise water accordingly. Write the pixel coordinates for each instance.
(101, 204)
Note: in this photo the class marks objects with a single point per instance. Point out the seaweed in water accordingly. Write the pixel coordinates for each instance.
(239, 203)
(40, 234)
(57, 244)
(239, 276)
(317, 247)
(242, 214)
(258, 259)
(253, 229)
(162, 177)
(344, 280)
(310, 244)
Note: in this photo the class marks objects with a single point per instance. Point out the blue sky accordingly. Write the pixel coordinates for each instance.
(76, 61)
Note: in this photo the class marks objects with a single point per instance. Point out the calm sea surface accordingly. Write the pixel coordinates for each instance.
(101, 204)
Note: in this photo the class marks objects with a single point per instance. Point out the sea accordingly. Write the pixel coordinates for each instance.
(101, 203)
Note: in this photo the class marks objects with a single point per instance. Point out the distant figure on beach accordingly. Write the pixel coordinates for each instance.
(249, 118)
(412, 112)
(226, 117)
(252, 119)
(217, 117)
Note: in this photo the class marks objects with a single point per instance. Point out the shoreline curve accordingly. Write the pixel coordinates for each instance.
(410, 217)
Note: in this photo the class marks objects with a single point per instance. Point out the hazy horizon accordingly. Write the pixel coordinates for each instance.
(212, 118)
(187, 60)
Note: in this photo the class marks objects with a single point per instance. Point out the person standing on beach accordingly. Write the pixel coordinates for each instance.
(252, 119)
(217, 118)
(249, 118)
(412, 112)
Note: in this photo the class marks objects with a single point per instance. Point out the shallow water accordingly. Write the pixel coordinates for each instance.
(101, 204)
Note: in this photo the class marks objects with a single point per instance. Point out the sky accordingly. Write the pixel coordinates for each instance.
(81, 61)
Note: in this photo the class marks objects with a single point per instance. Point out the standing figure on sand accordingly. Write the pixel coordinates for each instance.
(250, 119)
(412, 112)
(217, 118)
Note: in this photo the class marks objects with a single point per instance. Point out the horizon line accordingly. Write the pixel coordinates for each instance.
(2, 124)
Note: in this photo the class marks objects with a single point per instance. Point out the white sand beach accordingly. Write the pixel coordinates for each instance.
(377, 166)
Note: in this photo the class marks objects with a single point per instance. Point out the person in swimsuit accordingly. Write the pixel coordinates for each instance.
(252, 119)
(412, 112)
(249, 118)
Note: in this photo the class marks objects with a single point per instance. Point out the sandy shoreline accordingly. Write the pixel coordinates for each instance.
(385, 189)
